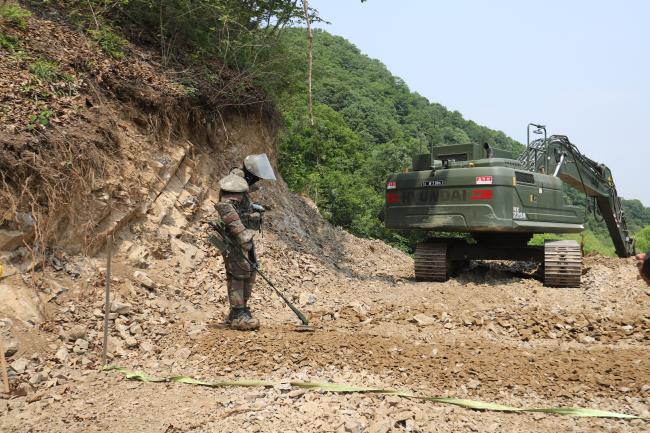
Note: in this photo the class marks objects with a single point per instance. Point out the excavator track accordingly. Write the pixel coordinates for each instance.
(431, 263)
(562, 263)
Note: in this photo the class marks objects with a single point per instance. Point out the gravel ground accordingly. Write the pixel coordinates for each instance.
(483, 335)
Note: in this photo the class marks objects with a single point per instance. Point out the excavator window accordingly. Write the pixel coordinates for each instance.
(524, 177)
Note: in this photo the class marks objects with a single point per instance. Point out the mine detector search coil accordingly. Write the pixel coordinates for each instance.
(224, 243)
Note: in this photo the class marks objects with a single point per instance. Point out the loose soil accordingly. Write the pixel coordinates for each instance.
(488, 337)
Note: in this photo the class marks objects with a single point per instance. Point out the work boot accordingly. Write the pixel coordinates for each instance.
(228, 319)
(242, 320)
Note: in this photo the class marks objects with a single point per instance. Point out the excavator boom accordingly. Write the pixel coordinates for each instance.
(558, 156)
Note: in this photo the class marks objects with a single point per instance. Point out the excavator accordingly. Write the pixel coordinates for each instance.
(497, 202)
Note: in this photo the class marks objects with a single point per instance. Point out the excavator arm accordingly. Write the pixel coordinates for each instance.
(556, 155)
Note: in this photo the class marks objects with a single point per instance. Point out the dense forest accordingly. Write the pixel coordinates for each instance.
(368, 124)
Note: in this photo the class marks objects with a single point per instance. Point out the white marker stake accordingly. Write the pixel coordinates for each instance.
(107, 295)
(3, 365)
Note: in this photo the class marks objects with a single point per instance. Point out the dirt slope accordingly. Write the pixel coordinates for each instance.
(484, 335)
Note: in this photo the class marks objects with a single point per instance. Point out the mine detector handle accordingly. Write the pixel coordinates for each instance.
(556, 155)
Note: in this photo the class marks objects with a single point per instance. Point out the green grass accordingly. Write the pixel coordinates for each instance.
(48, 71)
(643, 239)
(45, 70)
(42, 118)
(111, 43)
(8, 43)
(185, 88)
(14, 16)
(590, 243)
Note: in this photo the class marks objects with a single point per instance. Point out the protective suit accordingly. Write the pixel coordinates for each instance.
(243, 220)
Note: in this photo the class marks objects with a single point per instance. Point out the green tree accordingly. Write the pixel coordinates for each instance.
(368, 124)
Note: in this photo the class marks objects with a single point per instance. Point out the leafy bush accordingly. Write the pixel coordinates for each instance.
(368, 124)
(48, 71)
(111, 43)
(237, 33)
(42, 119)
(643, 240)
(8, 43)
(637, 216)
(14, 16)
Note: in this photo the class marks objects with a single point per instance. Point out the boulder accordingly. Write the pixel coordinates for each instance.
(75, 333)
(23, 389)
(8, 342)
(62, 355)
(306, 299)
(10, 239)
(139, 256)
(130, 342)
(19, 365)
(188, 255)
(183, 354)
(423, 320)
(120, 307)
(81, 344)
(20, 302)
(11, 347)
(37, 378)
(144, 280)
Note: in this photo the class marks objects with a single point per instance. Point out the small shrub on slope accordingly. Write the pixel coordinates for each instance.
(14, 15)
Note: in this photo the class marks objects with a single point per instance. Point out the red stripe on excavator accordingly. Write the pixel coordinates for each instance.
(481, 194)
(393, 197)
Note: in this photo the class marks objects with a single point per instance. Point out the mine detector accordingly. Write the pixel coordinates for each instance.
(501, 201)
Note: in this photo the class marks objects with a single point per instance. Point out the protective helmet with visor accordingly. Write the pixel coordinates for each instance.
(259, 166)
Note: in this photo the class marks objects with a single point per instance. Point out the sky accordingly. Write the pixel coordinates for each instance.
(580, 67)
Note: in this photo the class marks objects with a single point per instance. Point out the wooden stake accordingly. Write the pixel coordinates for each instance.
(107, 295)
(3, 365)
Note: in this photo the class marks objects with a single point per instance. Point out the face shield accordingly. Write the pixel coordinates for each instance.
(260, 166)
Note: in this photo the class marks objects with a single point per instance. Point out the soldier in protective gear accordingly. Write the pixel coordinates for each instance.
(242, 219)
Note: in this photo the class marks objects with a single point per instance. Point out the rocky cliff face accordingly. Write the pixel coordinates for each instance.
(90, 142)
(126, 152)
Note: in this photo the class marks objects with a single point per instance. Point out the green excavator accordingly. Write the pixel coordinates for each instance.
(501, 201)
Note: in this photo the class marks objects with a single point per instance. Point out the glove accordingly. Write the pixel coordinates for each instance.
(255, 218)
(246, 237)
